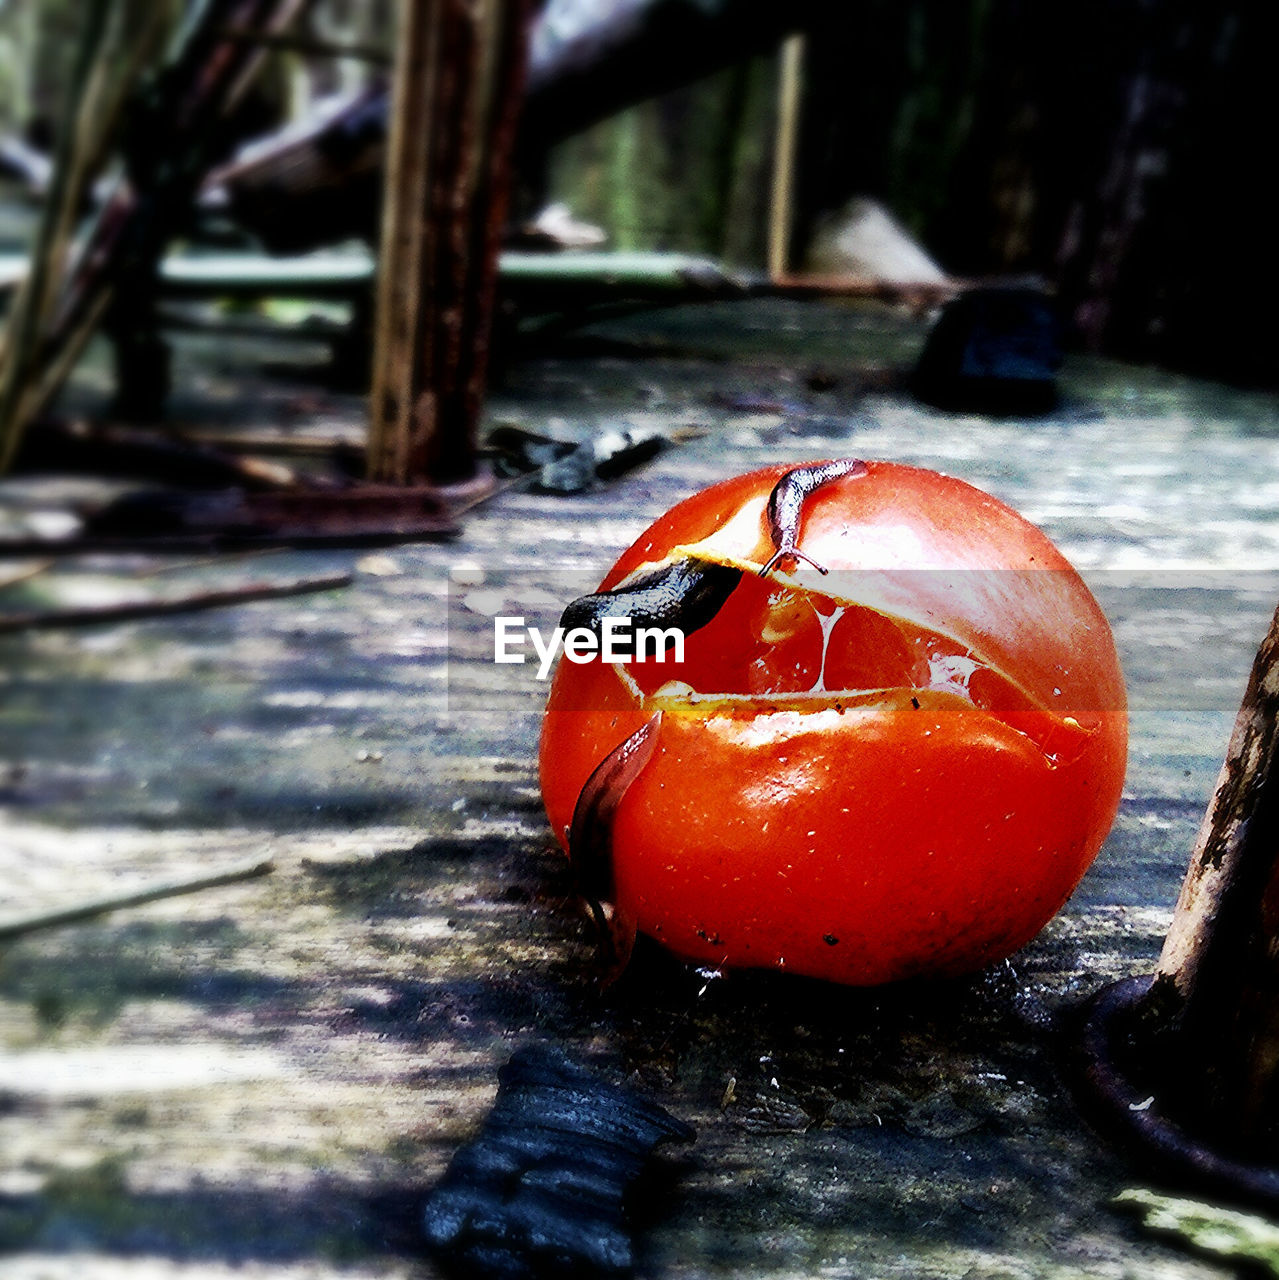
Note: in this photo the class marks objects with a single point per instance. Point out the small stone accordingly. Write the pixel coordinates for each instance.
(993, 350)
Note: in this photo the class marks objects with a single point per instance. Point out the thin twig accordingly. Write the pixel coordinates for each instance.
(95, 615)
(27, 572)
(204, 562)
(52, 335)
(19, 926)
(277, 21)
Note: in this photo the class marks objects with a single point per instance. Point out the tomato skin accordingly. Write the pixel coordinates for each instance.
(880, 835)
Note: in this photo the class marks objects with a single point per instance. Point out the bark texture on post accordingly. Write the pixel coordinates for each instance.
(1218, 975)
(459, 80)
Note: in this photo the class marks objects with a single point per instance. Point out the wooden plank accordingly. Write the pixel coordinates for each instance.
(267, 1082)
(458, 83)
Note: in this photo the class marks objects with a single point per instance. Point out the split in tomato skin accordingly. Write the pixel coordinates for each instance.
(885, 819)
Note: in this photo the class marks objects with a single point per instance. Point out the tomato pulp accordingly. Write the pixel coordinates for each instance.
(902, 767)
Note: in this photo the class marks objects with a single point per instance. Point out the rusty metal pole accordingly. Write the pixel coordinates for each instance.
(458, 84)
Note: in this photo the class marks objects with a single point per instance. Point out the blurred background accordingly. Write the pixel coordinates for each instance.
(1116, 150)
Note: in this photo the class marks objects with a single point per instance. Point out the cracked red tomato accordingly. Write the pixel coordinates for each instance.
(894, 744)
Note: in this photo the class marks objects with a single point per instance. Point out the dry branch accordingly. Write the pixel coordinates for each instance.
(19, 926)
(175, 127)
(108, 449)
(587, 61)
(133, 610)
(20, 349)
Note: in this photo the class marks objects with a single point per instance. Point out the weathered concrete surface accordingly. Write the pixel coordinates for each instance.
(260, 1080)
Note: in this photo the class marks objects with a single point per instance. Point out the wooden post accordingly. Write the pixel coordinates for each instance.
(458, 83)
(176, 123)
(1218, 977)
(786, 141)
